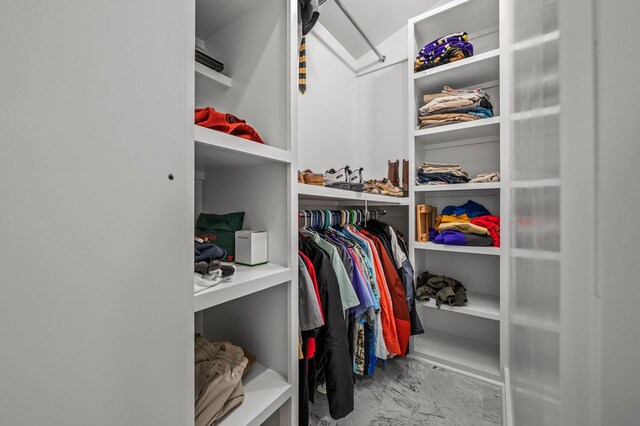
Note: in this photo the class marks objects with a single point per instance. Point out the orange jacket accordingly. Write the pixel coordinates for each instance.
(396, 289)
(389, 332)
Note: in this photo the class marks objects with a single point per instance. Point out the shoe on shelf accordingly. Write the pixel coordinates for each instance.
(336, 178)
(370, 187)
(227, 269)
(300, 177)
(201, 267)
(214, 265)
(311, 178)
(405, 178)
(387, 188)
(393, 173)
(354, 178)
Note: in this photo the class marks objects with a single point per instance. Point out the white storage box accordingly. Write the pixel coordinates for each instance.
(251, 248)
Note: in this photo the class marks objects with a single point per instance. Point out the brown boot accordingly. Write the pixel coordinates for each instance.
(394, 170)
(405, 178)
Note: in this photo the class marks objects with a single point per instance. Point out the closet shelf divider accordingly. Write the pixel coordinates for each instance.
(459, 187)
(478, 305)
(246, 281)
(476, 129)
(215, 148)
(205, 75)
(324, 193)
(460, 352)
(474, 70)
(494, 251)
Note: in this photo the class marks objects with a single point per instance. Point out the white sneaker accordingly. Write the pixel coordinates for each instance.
(336, 179)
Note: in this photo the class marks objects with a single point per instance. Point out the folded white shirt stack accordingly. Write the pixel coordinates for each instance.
(486, 177)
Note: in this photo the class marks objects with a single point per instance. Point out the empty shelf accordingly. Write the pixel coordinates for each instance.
(479, 305)
(264, 392)
(459, 352)
(247, 280)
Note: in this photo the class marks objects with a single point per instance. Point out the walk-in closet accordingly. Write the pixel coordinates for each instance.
(401, 213)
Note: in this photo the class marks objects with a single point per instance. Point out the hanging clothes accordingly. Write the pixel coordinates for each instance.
(332, 362)
(365, 281)
(403, 267)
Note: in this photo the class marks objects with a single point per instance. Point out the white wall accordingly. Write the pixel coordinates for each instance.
(346, 118)
(327, 130)
(382, 119)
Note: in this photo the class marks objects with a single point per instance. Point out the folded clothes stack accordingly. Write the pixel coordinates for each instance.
(219, 369)
(470, 224)
(453, 105)
(441, 174)
(444, 50)
(486, 177)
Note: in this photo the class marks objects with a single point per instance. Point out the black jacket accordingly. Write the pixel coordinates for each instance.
(332, 360)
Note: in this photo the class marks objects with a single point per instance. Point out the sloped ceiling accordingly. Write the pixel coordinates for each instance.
(379, 19)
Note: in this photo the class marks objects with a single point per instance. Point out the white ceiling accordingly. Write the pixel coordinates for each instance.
(379, 19)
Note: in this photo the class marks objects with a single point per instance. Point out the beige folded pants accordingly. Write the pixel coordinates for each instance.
(218, 379)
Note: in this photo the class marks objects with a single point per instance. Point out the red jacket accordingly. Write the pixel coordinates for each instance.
(226, 123)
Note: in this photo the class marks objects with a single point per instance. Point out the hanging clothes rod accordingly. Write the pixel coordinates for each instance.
(381, 57)
(321, 218)
(303, 213)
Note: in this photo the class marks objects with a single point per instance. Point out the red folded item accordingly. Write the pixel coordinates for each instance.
(226, 123)
(492, 224)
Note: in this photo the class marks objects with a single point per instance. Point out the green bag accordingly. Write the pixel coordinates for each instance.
(220, 229)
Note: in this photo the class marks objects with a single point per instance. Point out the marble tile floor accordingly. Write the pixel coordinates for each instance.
(409, 392)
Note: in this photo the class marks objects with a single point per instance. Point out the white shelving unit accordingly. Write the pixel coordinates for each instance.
(479, 305)
(205, 74)
(473, 356)
(257, 307)
(322, 193)
(470, 337)
(491, 251)
(215, 148)
(247, 280)
(496, 186)
(483, 67)
(456, 132)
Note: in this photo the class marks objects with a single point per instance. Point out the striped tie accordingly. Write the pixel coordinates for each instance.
(302, 66)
